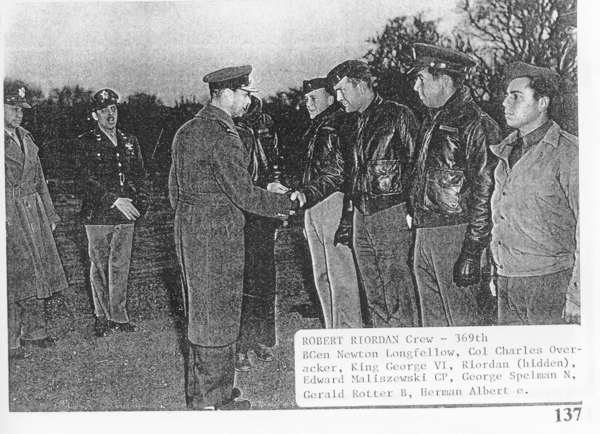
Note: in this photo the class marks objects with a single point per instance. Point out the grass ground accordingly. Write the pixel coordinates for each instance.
(143, 371)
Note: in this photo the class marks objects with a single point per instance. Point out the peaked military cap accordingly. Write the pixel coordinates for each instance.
(104, 98)
(521, 69)
(311, 85)
(445, 59)
(351, 69)
(235, 77)
(14, 94)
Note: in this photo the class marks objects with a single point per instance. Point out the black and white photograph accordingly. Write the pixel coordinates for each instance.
(296, 216)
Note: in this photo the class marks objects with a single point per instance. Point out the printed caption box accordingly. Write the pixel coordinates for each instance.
(439, 366)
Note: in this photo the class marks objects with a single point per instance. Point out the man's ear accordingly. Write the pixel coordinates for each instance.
(446, 80)
(227, 94)
(544, 103)
(330, 99)
(95, 116)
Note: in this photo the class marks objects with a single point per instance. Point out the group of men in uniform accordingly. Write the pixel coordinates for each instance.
(402, 210)
(400, 213)
(111, 178)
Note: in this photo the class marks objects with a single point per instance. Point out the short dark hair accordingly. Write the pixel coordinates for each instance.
(544, 87)
(541, 87)
(362, 74)
(216, 93)
(457, 79)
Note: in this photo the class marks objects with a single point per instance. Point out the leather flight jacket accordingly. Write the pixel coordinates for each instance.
(454, 174)
(325, 147)
(386, 134)
(257, 132)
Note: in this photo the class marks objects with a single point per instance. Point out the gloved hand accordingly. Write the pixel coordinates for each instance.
(467, 270)
(343, 235)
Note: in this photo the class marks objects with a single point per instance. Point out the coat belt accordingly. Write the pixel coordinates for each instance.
(20, 191)
(214, 199)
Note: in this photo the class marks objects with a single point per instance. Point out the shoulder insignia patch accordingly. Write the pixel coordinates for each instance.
(231, 132)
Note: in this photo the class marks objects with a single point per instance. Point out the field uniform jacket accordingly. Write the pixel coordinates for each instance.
(108, 172)
(535, 207)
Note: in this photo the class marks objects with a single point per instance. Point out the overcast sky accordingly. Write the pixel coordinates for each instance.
(166, 48)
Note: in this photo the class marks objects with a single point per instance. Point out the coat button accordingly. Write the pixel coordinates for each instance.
(98, 155)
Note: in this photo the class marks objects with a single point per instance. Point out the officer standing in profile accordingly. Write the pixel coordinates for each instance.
(114, 198)
(33, 267)
(320, 193)
(210, 188)
(451, 191)
(535, 206)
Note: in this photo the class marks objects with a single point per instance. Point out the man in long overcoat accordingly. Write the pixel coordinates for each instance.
(34, 269)
(209, 186)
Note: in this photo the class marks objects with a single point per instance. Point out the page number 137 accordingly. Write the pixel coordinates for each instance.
(568, 414)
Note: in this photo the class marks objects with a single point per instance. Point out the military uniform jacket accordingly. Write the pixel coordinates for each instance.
(210, 187)
(108, 172)
(34, 268)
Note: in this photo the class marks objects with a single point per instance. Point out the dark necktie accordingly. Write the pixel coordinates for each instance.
(516, 153)
(17, 137)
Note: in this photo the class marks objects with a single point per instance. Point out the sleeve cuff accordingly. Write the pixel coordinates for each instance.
(109, 199)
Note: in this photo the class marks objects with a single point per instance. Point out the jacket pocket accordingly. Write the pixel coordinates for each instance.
(384, 176)
(443, 189)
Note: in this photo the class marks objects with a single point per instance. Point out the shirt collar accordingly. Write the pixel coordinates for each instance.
(550, 137)
(536, 136)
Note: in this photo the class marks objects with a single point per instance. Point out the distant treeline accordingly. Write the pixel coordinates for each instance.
(495, 32)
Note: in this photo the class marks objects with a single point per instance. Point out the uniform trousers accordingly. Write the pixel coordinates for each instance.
(443, 304)
(333, 267)
(209, 375)
(258, 304)
(26, 320)
(536, 300)
(109, 248)
(382, 244)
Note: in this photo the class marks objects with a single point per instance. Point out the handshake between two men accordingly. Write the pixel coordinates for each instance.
(342, 236)
(278, 188)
